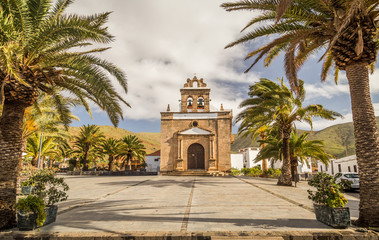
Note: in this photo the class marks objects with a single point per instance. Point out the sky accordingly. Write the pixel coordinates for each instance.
(161, 43)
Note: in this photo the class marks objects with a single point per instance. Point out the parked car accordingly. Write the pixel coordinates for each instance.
(352, 177)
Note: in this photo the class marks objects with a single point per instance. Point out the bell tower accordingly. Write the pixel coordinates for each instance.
(195, 96)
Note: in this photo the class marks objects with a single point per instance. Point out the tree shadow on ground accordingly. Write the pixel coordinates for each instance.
(132, 215)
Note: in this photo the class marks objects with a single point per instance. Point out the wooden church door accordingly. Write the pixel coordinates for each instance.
(195, 157)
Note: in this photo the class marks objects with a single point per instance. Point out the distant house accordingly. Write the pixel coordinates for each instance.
(346, 164)
(153, 161)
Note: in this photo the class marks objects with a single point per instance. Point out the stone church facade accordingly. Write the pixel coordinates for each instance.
(197, 138)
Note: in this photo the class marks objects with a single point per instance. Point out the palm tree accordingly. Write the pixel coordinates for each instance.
(348, 30)
(89, 137)
(131, 148)
(300, 149)
(271, 103)
(46, 116)
(111, 147)
(48, 148)
(40, 50)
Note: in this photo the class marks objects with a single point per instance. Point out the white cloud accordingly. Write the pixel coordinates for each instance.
(159, 44)
(374, 81)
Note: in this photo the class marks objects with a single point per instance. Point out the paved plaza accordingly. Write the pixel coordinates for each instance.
(221, 207)
(166, 203)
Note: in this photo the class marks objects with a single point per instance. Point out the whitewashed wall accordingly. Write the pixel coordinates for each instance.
(346, 164)
(237, 160)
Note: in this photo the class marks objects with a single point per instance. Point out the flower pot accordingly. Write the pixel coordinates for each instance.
(51, 214)
(26, 190)
(334, 217)
(27, 221)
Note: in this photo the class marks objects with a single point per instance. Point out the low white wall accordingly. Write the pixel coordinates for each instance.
(153, 163)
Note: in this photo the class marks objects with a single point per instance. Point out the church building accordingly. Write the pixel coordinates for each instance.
(198, 137)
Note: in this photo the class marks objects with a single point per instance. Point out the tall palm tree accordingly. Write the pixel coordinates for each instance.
(271, 103)
(111, 147)
(348, 30)
(89, 136)
(39, 50)
(48, 148)
(301, 149)
(131, 148)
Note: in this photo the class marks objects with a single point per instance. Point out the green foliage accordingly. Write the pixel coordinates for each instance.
(245, 171)
(305, 28)
(328, 191)
(235, 172)
(86, 144)
(29, 182)
(49, 187)
(255, 171)
(132, 148)
(42, 47)
(272, 173)
(32, 204)
(272, 104)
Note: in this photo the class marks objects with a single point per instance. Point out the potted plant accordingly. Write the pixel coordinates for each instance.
(52, 190)
(328, 200)
(30, 212)
(27, 186)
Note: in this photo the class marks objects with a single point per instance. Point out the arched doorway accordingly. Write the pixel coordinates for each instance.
(195, 157)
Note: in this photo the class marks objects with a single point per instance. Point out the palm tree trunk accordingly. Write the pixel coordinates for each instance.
(34, 161)
(285, 178)
(264, 161)
(110, 163)
(366, 143)
(129, 163)
(10, 158)
(85, 159)
(293, 167)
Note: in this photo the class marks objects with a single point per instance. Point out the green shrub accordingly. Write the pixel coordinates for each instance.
(49, 187)
(235, 172)
(328, 191)
(245, 171)
(255, 171)
(32, 204)
(277, 173)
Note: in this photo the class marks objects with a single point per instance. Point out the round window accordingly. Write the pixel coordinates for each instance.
(195, 124)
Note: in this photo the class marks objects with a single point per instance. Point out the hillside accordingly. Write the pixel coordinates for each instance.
(150, 140)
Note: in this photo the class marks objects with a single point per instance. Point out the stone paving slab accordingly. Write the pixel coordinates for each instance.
(228, 203)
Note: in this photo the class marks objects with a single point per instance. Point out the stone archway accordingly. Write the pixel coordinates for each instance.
(196, 157)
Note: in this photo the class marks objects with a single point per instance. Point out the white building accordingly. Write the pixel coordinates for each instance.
(248, 156)
(346, 164)
(237, 160)
(153, 161)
